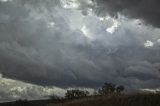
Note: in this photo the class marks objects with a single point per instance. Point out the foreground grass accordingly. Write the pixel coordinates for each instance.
(114, 100)
(121, 100)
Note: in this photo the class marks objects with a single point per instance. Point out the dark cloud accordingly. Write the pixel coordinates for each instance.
(146, 10)
(44, 44)
(33, 52)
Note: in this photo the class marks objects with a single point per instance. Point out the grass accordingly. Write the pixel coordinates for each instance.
(121, 100)
(114, 100)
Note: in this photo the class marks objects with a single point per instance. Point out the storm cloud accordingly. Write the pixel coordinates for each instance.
(146, 10)
(66, 43)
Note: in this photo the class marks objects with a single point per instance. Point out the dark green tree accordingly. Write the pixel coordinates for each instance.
(107, 88)
(76, 93)
(120, 89)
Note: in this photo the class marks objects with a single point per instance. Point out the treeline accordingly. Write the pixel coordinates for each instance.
(106, 89)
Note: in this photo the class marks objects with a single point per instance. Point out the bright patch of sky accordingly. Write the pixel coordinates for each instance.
(148, 44)
(113, 28)
(104, 18)
(14, 90)
(86, 32)
(5, 0)
(51, 24)
(20, 90)
(70, 4)
(138, 22)
(151, 90)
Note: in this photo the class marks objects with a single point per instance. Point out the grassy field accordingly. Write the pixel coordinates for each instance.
(116, 100)
(122, 100)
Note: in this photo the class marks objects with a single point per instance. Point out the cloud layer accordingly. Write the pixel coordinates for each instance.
(11, 90)
(54, 43)
(146, 10)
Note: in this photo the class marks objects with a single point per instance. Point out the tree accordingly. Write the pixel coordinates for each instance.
(71, 94)
(120, 89)
(107, 88)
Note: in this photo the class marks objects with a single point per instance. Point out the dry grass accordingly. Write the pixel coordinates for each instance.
(121, 100)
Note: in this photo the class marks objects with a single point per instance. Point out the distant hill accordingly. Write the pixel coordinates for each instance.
(115, 100)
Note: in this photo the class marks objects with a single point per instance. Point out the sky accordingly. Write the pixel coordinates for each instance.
(49, 46)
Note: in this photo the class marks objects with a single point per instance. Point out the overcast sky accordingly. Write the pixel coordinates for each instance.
(52, 45)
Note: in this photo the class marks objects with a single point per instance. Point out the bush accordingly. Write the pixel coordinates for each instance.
(109, 88)
(71, 94)
(120, 89)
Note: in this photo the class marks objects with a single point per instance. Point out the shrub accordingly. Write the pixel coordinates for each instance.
(120, 89)
(71, 94)
(107, 88)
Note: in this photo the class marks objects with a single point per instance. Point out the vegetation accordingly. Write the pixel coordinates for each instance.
(120, 100)
(76, 93)
(110, 89)
(108, 95)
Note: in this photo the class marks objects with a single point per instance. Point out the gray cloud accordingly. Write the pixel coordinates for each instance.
(146, 10)
(43, 43)
(13, 90)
